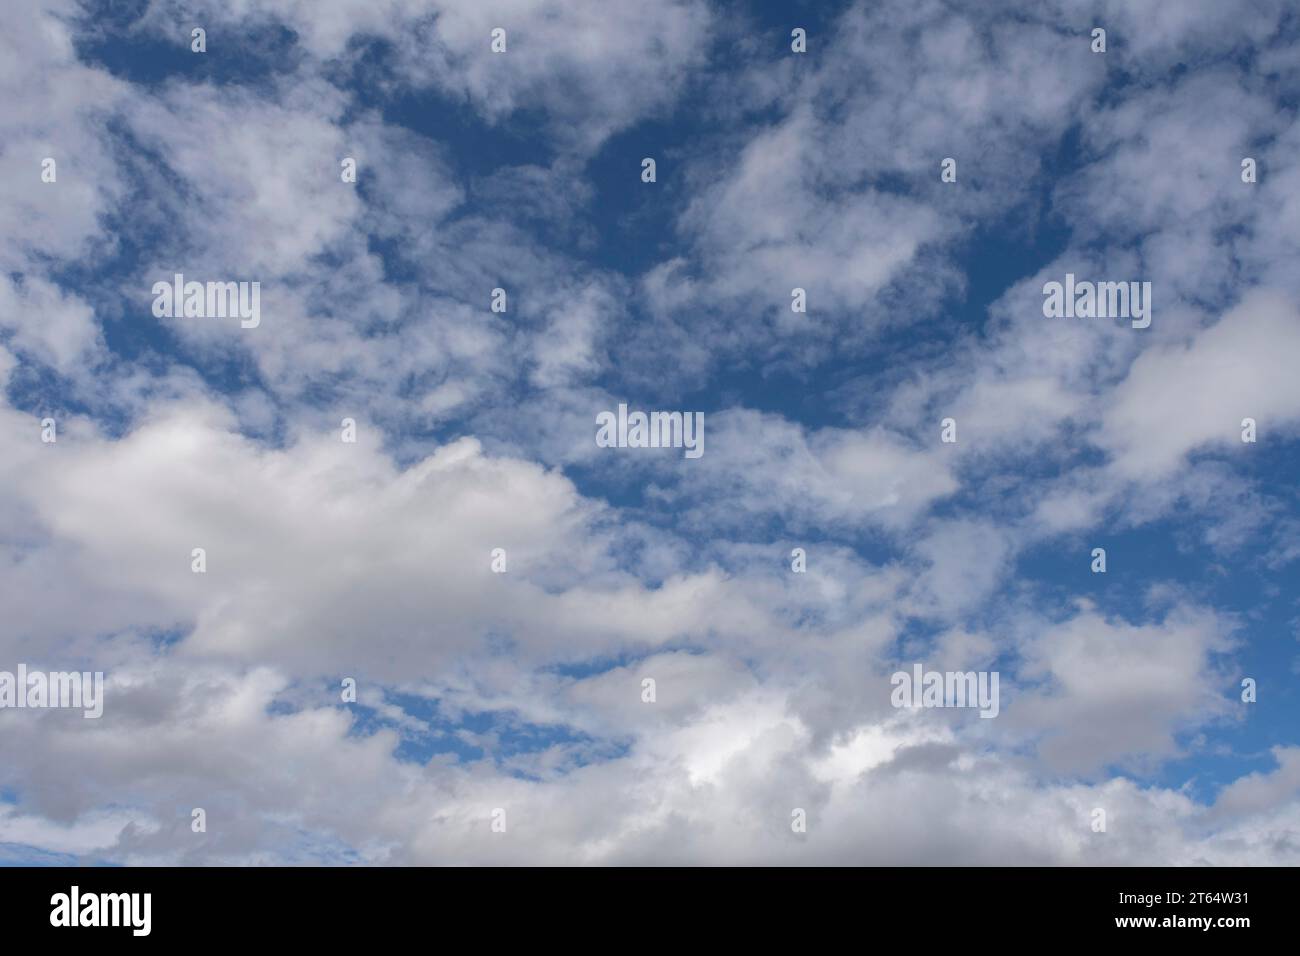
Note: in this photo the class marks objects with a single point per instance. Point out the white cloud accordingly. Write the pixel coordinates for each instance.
(1113, 692)
(1180, 397)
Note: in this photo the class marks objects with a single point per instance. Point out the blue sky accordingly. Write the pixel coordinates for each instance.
(522, 691)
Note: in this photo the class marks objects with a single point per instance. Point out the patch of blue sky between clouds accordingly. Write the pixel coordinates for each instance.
(427, 733)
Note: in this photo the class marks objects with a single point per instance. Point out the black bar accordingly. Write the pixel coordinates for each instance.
(948, 906)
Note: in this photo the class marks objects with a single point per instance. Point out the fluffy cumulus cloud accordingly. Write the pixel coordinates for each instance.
(360, 578)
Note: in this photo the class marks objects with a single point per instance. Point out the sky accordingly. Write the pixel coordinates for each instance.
(497, 585)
